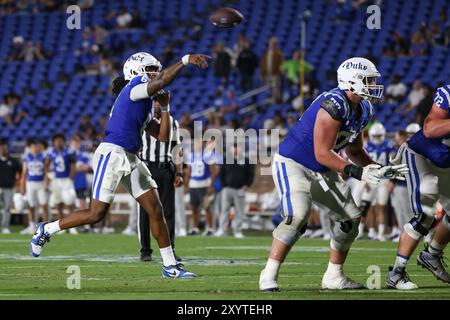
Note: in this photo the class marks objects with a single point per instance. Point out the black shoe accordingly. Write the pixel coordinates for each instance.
(178, 258)
(146, 256)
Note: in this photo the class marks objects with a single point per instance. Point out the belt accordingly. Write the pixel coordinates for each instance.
(159, 165)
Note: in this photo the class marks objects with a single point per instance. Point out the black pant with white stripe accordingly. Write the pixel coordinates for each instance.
(164, 176)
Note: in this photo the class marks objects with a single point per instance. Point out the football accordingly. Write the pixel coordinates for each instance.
(226, 18)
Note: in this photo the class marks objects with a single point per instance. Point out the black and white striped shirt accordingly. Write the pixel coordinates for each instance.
(154, 150)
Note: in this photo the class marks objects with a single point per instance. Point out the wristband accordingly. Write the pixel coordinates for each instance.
(185, 60)
(165, 109)
(353, 171)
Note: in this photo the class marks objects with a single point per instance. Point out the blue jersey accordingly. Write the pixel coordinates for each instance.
(435, 149)
(299, 143)
(380, 153)
(80, 179)
(35, 166)
(200, 165)
(61, 161)
(128, 118)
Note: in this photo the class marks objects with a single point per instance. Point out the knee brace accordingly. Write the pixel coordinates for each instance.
(446, 221)
(365, 206)
(419, 227)
(343, 234)
(289, 233)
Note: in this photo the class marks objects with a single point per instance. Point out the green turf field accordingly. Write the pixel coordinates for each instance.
(229, 269)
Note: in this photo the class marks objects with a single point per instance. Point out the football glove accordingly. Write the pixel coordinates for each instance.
(394, 172)
(370, 173)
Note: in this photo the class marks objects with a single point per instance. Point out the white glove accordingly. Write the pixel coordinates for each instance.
(371, 174)
(394, 172)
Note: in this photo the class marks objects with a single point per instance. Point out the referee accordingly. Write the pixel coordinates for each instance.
(157, 156)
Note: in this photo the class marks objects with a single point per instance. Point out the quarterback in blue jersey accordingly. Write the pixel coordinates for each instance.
(307, 166)
(115, 160)
(427, 154)
(34, 184)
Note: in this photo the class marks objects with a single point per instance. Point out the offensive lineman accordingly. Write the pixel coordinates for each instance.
(115, 159)
(427, 154)
(307, 168)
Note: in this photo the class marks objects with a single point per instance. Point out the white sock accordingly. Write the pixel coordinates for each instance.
(167, 256)
(371, 230)
(361, 228)
(435, 248)
(31, 224)
(381, 229)
(401, 261)
(334, 268)
(272, 268)
(52, 227)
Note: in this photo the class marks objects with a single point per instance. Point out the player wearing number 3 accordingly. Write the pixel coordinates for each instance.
(307, 167)
(115, 159)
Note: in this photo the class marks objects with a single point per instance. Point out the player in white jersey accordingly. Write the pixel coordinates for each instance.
(34, 184)
(427, 154)
(380, 150)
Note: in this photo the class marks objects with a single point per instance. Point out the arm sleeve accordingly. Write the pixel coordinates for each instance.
(336, 111)
(139, 92)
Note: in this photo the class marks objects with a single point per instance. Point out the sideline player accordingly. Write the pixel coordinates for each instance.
(307, 168)
(34, 184)
(115, 159)
(380, 150)
(427, 155)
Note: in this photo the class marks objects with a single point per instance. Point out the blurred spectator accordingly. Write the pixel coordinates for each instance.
(236, 178)
(167, 56)
(86, 4)
(10, 110)
(398, 45)
(395, 91)
(124, 19)
(110, 20)
(136, 20)
(186, 122)
(227, 103)
(419, 46)
(101, 126)
(86, 129)
(222, 63)
(31, 52)
(239, 46)
(18, 45)
(247, 62)
(291, 68)
(279, 124)
(9, 172)
(424, 107)
(291, 120)
(270, 67)
(414, 97)
(106, 66)
(436, 36)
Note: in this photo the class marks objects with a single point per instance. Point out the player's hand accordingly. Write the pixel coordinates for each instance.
(199, 60)
(394, 172)
(162, 97)
(371, 174)
(210, 190)
(178, 181)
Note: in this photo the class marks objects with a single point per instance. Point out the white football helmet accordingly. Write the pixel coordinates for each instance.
(358, 75)
(137, 64)
(412, 128)
(377, 133)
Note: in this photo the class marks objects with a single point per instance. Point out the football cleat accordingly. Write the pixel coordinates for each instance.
(398, 279)
(177, 271)
(266, 284)
(39, 239)
(338, 281)
(434, 263)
